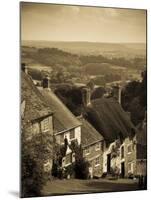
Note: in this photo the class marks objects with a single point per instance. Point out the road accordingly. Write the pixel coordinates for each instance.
(74, 186)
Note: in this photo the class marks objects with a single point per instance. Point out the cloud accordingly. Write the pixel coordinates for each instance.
(62, 22)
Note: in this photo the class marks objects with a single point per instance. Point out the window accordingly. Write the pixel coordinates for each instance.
(122, 152)
(45, 124)
(68, 159)
(72, 134)
(97, 146)
(129, 148)
(97, 161)
(87, 150)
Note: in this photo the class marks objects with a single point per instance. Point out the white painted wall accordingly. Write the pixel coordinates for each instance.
(77, 132)
(114, 161)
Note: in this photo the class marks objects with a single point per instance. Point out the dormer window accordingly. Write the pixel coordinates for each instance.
(45, 124)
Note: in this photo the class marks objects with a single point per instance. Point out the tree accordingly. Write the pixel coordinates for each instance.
(81, 166)
(34, 153)
(143, 90)
(98, 93)
(71, 97)
(134, 99)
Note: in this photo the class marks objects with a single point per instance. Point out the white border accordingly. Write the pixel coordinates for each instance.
(9, 99)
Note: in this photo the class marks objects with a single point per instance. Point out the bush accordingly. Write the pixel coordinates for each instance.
(81, 169)
(34, 153)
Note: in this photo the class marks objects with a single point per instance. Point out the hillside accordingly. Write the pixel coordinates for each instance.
(48, 57)
(93, 48)
(101, 68)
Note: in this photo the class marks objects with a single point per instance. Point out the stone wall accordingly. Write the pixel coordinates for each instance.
(93, 153)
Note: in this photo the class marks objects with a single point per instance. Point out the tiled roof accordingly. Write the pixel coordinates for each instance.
(109, 118)
(35, 106)
(89, 135)
(63, 118)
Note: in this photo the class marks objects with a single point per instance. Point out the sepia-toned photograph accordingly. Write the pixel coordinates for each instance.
(83, 99)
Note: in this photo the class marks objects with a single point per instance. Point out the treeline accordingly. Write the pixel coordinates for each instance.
(53, 56)
(134, 63)
(50, 57)
(110, 77)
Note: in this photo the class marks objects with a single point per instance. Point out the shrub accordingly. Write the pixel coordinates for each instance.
(34, 153)
(81, 169)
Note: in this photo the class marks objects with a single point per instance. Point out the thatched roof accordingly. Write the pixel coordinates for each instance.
(63, 118)
(108, 117)
(35, 105)
(89, 135)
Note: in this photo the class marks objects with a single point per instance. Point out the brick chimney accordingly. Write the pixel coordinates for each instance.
(116, 91)
(46, 82)
(86, 96)
(24, 68)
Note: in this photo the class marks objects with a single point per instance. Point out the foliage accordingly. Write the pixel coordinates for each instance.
(81, 166)
(143, 94)
(115, 171)
(134, 99)
(34, 153)
(98, 93)
(115, 150)
(78, 169)
(71, 97)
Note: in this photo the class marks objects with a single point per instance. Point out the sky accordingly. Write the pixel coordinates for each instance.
(78, 23)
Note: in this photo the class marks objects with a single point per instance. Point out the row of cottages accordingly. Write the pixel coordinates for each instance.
(124, 147)
(111, 145)
(66, 127)
(71, 129)
(43, 112)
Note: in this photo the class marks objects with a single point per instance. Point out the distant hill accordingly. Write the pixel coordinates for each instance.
(48, 57)
(101, 68)
(87, 48)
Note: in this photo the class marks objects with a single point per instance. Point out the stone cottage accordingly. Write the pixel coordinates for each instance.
(114, 124)
(91, 142)
(67, 128)
(36, 115)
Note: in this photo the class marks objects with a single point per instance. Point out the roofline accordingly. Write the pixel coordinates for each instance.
(83, 146)
(60, 132)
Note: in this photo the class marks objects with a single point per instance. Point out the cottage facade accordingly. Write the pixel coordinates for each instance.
(67, 128)
(108, 117)
(91, 142)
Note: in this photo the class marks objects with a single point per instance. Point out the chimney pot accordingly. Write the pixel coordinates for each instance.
(117, 93)
(86, 96)
(45, 82)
